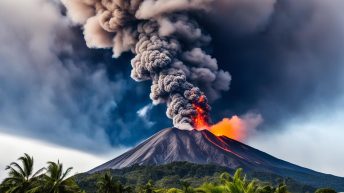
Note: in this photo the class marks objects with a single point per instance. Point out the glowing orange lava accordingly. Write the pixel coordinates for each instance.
(221, 144)
(201, 120)
(234, 128)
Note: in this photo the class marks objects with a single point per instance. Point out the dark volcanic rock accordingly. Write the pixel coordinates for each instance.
(202, 147)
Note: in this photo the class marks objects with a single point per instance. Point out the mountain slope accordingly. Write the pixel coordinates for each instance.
(202, 147)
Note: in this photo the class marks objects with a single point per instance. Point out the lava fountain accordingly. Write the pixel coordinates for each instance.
(236, 128)
(201, 119)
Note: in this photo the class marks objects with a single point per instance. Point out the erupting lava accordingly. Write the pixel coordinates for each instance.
(234, 128)
(201, 119)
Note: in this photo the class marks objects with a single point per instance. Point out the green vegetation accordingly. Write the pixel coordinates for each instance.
(107, 184)
(178, 177)
(171, 175)
(21, 178)
(52, 179)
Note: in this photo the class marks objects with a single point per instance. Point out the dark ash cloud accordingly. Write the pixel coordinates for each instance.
(284, 58)
(168, 46)
(285, 66)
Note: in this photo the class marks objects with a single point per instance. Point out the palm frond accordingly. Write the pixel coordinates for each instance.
(66, 172)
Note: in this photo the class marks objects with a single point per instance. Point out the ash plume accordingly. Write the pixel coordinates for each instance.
(169, 45)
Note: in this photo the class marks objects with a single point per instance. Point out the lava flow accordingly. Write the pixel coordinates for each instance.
(201, 122)
(234, 128)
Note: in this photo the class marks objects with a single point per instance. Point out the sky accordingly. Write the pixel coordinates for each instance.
(13, 147)
(62, 100)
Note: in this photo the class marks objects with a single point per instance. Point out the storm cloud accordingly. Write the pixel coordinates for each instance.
(290, 63)
(52, 87)
(284, 57)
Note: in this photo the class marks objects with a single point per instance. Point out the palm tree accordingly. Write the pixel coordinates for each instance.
(186, 187)
(265, 189)
(55, 180)
(107, 184)
(239, 184)
(148, 188)
(224, 177)
(21, 179)
(174, 190)
(282, 188)
(211, 188)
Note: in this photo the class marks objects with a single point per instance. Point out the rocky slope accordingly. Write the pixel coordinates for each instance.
(202, 147)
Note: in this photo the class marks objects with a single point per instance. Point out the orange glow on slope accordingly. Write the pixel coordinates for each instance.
(234, 128)
(222, 145)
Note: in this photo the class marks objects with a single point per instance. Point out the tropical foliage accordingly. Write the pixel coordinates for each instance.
(22, 178)
(107, 184)
(55, 180)
(52, 179)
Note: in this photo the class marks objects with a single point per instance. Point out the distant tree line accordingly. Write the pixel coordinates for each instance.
(54, 179)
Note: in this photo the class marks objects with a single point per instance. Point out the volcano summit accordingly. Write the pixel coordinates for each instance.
(202, 147)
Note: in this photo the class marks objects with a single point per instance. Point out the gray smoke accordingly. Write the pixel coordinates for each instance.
(169, 47)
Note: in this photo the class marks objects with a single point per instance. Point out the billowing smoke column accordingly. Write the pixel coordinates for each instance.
(169, 47)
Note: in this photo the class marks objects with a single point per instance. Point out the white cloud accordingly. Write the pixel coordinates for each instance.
(12, 147)
(314, 141)
(144, 114)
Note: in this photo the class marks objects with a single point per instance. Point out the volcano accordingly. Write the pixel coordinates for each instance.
(202, 147)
